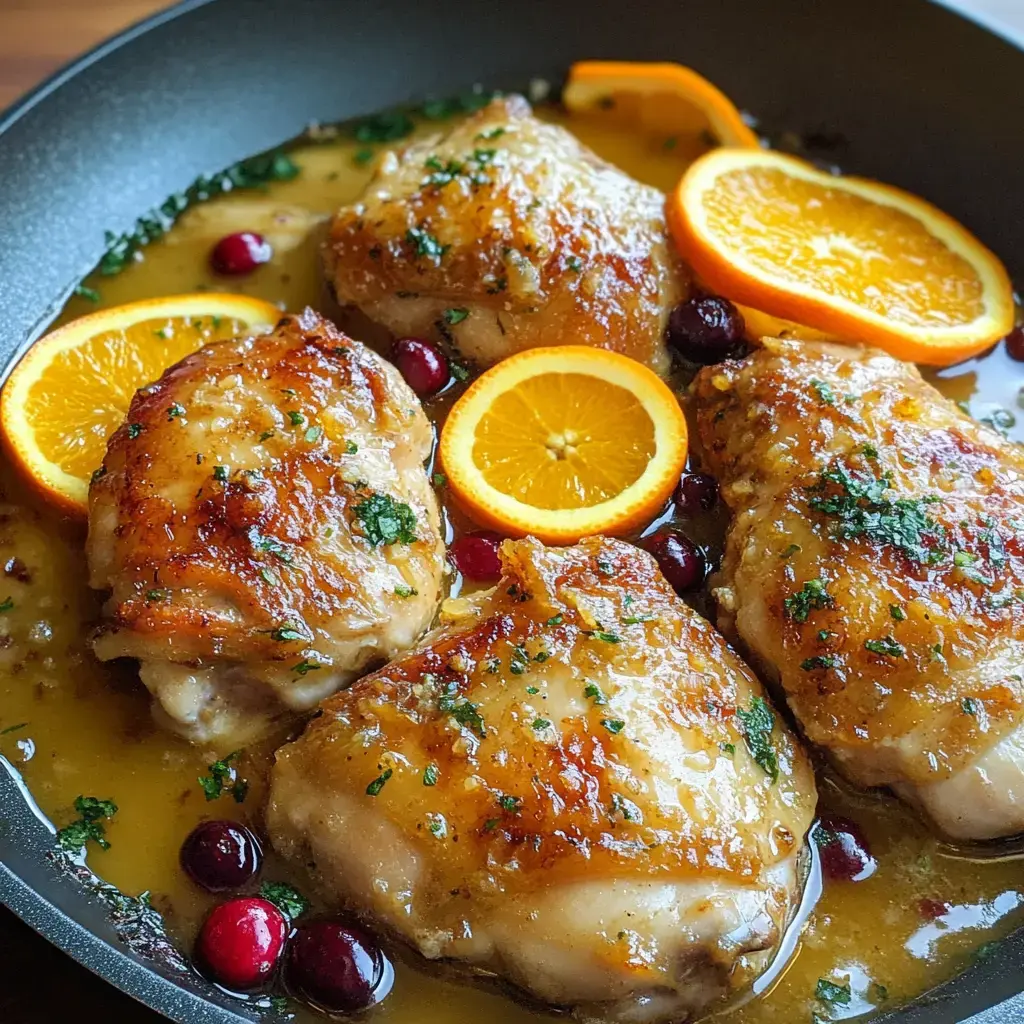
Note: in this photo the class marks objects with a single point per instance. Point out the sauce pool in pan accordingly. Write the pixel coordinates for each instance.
(899, 911)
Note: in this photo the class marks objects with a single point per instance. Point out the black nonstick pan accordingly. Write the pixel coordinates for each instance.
(918, 96)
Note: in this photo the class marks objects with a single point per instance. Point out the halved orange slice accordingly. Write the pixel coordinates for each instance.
(758, 325)
(72, 388)
(852, 258)
(564, 442)
(666, 98)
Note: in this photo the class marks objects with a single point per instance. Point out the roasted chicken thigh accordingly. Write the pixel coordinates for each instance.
(266, 528)
(504, 234)
(875, 566)
(572, 784)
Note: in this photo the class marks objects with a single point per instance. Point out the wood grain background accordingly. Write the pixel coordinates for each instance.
(39, 984)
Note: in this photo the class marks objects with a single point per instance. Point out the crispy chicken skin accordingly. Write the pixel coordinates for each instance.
(516, 222)
(240, 522)
(875, 565)
(554, 787)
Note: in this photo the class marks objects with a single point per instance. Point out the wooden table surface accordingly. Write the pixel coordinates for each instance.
(39, 984)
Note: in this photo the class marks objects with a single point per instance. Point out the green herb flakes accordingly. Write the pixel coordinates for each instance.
(221, 772)
(305, 666)
(818, 661)
(386, 521)
(87, 293)
(286, 898)
(541, 723)
(790, 551)
(6, 605)
(175, 411)
(425, 244)
(555, 620)
(593, 692)
(134, 429)
(613, 725)
(313, 434)
(897, 612)
(600, 634)
(351, 447)
(574, 263)
(439, 479)
(970, 706)
(464, 711)
(374, 788)
(509, 803)
(811, 597)
(756, 725)
(403, 590)
(729, 749)
(829, 992)
(888, 646)
(430, 775)
(89, 826)
(824, 392)
(13, 728)
(296, 418)
(220, 473)
(388, 126)
(158, 594)
(455, 315)
(287, 633)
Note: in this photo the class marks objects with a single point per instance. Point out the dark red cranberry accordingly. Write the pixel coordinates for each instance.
(221, 855)
(1015, 344)
(706, 329)
(843, 849)
(337, 968)
(240, 253)
(422, 364)
(241, 942)
(681, 562)
(476, 556)
(696, 492)
(932, 910)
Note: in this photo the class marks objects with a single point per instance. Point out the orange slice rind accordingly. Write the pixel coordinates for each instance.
(667, 98)
(849, 257)
(563, 443)
(71, 389)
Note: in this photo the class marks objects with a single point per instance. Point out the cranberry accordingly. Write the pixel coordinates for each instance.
(706, 329)
(681, 562)
(932, 910)
(221, 855)
(337, 968)
(240, 943)
(422, 364)
(476, 556)
(843, 849)
(696, 492)
(1015, 344)
(240, 253)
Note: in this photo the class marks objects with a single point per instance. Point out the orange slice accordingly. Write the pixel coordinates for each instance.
(846, 256)
(564, 442)
(758, 325)
(666, 98)
(72, 388)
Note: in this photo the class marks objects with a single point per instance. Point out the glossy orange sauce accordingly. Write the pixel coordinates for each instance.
(71, 726)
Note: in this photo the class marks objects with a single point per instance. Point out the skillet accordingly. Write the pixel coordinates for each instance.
(907, 92)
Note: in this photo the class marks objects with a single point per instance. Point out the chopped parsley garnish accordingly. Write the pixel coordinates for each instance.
(824, 391)
(296, 418)
(540, 723)
(464, 711)
(438, 825)
(628, 809)
(555, 620)
(266, 435)
(969, 706)
(255, 172)
(85, 292)
(509, 803)
(221, 772)
(818, 661)
(613, 725)
(464, 103)
(887, 645)
(439, 479)
(220, 473)
(388, 126)
(756, 725)
(727, 748)
(574, 263)
(459, 372)
(89, 826)
(134, 429)
(271, 546)
(175, 411)
(455, 315)
(790, 551)
(856, 501)
(593, 691)
(812, 596)
(425, 244)
(268, 577)
(829, 992)
(430, 775)
(305, 666)
(312, 434)
(7, 604)
(351, 447)
(286, 898)
(378, 783)
(362, 156)
(158, 594)
(98, 474)
(403, 590)
(533, 690)
(519, 660)
(600, 634)
(288, 633)
(13, 728)
(897, 612)
(386, 521)
(869, 451)
(604, 567)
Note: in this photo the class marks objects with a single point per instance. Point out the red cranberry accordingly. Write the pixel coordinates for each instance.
(422, 364)
(240, 943)
(843, 849)
(1015, 344)
(696, 492)
(932, 910)
(240, 253)
(221, 855)
(337, 968)
(681, 562)
(476, 556)
(706, 329)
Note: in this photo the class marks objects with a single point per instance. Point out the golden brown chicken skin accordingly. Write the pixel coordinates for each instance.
(506, 234)
(266, 527)
(572, 783)
(875, 565)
